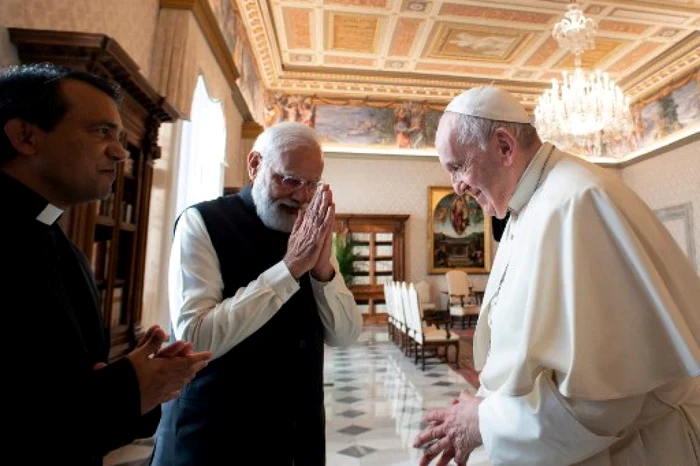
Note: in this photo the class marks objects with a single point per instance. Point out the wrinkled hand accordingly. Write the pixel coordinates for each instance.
(310, 235)
(454, 430)
(162, 373)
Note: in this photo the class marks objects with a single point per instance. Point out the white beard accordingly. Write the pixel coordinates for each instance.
(269, 210)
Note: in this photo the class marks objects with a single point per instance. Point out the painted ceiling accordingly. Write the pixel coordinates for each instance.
(433, 50)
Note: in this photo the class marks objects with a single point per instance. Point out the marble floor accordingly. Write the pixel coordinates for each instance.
(375, 400)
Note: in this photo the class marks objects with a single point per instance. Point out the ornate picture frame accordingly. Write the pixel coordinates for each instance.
(459, 233)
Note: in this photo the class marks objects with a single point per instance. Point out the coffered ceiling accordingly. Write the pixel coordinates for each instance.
(433, 50)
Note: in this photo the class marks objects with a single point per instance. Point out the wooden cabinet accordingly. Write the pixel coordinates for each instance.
(378, 247)
(111, 232)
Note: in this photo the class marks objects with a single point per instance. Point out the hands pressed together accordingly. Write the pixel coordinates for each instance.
(309, 247)
(162, 372)
(453, 431)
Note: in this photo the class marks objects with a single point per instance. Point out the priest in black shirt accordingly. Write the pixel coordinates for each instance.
(59, 146)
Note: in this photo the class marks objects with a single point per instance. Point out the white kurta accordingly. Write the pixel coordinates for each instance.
(201, 315)
(590, 350)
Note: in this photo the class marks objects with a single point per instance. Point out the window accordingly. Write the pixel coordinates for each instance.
(202, 151)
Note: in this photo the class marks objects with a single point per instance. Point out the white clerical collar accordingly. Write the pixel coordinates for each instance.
(531, 177)
(49, 215)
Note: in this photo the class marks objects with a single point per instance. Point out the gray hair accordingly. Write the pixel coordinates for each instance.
(284, 137)
(471, 130)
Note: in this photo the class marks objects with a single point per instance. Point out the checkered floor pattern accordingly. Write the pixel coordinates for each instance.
(375, 400)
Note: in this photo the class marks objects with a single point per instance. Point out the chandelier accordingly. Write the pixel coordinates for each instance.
(585, 114)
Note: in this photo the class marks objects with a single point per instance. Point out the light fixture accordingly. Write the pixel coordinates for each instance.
(584, 114)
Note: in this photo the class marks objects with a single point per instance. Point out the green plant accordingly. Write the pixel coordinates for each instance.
(343, 248)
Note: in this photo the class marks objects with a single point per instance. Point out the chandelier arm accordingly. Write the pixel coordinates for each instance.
(584, 114)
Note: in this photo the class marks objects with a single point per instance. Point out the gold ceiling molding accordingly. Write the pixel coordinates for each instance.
(212, 33)
(671, 5)
(397, 65)
(671, 86)
(342, 87)
(367, 102)
(664, 76)
(329, 89)
(666, 67)
(452, 83)
(255, 25)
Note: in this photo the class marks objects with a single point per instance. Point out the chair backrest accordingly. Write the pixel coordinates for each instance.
(414, 309)
(458, 284)
(397, 300)
(388, 300)
(423, 290)
(403, 293)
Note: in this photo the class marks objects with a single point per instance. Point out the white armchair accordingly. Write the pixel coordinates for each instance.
(461, 299)
(423, 290)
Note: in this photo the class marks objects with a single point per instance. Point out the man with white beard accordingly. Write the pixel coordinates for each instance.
(254, 281)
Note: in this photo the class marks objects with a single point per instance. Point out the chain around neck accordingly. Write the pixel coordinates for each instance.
(537, 183)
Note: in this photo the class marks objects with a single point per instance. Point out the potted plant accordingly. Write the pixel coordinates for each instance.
(343, 248)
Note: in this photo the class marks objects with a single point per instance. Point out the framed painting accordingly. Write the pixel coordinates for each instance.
(459, 232)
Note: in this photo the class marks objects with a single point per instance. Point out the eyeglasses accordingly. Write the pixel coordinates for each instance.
(293, 183)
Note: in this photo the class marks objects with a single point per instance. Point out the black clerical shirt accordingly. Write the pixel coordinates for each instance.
(58, 407)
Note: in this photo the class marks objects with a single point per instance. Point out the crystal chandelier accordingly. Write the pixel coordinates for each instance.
(584, 114)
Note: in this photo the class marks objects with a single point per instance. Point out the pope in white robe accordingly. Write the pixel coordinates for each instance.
(589, 334)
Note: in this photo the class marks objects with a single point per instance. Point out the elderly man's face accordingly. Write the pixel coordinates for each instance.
(473, 171)
(284, 186)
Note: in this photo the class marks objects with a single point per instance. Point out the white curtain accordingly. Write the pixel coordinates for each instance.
(202, 151)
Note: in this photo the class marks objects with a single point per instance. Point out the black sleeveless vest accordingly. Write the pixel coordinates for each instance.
(262, 402)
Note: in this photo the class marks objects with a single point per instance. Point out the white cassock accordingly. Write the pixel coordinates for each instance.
(590, 350)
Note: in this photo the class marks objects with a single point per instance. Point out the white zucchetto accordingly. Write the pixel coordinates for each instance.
(491, 103)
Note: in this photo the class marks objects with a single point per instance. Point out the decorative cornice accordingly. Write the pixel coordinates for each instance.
(360, 91)
(667, 89)
(212, 34)
(254, 24)
(668, 66)
(415, 79)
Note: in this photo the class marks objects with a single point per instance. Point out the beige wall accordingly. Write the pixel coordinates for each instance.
(130, 22)
(399, 185)
(672, 180)
(8, 53)
(392, 185)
